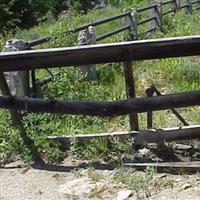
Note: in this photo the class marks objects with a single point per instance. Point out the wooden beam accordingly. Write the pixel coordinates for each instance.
(102, 53)
(172, 167)
(16, 118)
(130, 93)
(99, 22)
(140, 137)
(106, 109)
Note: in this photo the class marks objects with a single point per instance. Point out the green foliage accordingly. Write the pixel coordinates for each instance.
(144, 184)
(22, 13)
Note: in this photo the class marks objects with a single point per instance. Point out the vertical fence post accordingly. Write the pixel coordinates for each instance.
(128, 71)
(198, 5)
(188, 9)
(18, 86)
(157, 12)
(130, 92)
(149, 93)
(131, 21)
(16, 118)
(176, 5)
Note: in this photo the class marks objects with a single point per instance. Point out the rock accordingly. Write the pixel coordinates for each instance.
(124, 194)
(81, 188)
(182, 147)
(186, 186)
(144, 151)
(161, 175)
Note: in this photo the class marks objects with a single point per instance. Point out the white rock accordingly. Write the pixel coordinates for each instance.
(144, 151)
(81, 187)
(124, 194)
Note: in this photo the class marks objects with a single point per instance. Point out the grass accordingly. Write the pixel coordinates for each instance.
(169, 75)
(144, 184)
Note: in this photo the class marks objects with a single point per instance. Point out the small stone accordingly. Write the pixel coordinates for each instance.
(56, 175)
(144, 151)
(182, 147)
(161, 175)
(186, 186)
(124, 194)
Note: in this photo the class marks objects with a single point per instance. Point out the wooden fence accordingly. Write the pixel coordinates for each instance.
(134, 19)
(125, 52)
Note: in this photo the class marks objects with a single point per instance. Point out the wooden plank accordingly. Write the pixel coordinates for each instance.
(140, 137)
(130, 93)
(102, 53)
(172, 167)
(16, 118)
(114, 108)
(99, 22)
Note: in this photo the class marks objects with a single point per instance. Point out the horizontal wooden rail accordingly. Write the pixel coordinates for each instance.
(140, 137)
(146, 8)
(148, 31)
(196, 2)
(109, 108)
(184, 6)
(169, 11)
(106, 35)
(38, 41)
(146, 20)
(102, 53)
(167, 2)
(103, 21)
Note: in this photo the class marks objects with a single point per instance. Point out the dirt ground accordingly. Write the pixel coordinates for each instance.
(27, 183)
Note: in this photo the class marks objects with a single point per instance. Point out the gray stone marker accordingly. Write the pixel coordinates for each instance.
(18, 81)
(87, 37)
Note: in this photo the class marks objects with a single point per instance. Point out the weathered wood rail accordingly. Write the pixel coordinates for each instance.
(105, 109)
(102, 53)
(140, 137)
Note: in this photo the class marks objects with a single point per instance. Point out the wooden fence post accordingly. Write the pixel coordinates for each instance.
(157, 12)
(176, 5)
(128, 71)
(188, 9)
(130, 92)
(16, 118)
(149, 93)
(131, 21)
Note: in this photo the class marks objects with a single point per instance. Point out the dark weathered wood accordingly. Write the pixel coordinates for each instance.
(146, 8)
(99, 22)
(130, 92)
(104, 53)
(149, 93)
(38, 41)
(169, 11)
(140, 137)
(106, 35)
(146, 20)
(167, 2)
(114, 108)
(16, 118)
(170, 167)
(158, 93)
(148, 31)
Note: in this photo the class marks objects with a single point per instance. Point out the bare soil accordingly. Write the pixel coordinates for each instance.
(27, 183)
